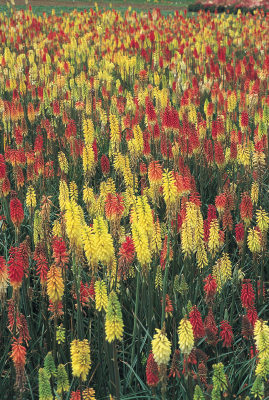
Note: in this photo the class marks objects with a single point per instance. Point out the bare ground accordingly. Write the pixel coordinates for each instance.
(146, 7)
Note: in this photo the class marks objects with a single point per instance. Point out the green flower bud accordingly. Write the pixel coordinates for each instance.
(49, 365)
(44, 385)
(62, 380)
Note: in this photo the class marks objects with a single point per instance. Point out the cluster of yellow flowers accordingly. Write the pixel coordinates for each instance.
(261, 336)
(81, 360)
(55, 285)
(161, 346)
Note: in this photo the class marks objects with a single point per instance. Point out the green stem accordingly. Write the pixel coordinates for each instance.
(65, 303)
(150, 310)
(232, 307)
(190, 386)
(262, 280)
(15, 319)
(47, 323)
(135, 316)
(1, 324)
(139, 327)
(174, 389)
(80, 388)
(201, 180)
(6, 211)
(174, 252)
(163, 391)
(28, 309)
(256, 281)
(51, 385)
(219, 180)
(268, 147)
(100, 350)
(227, 242)
(116, 369)
(166, 273)
(16, 237)
(108, 361)
(54, 342)
(191, 263)
(79, 314)
(244, 248)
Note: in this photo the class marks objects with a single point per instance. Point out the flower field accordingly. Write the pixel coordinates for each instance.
(134, 205)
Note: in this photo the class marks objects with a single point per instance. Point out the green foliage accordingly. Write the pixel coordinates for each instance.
(183, 288)
(266, 114)
(38, 231)
(262, 130)
(164, 82)
(212, 8)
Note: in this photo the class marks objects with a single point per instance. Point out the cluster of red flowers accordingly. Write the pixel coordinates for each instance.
(248, 299)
